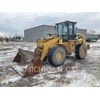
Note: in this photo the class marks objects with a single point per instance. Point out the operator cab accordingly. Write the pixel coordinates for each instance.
(66, 30)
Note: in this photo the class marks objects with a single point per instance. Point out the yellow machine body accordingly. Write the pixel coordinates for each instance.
(47, 43)
(28, 63)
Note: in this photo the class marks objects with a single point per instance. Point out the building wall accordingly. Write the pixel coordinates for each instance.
(82, 31)
(32, 34)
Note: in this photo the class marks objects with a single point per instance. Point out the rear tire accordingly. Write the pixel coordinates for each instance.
(56, 56)
(81, 51)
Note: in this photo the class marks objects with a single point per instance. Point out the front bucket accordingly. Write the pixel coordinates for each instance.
(27, 63)
(23, 56)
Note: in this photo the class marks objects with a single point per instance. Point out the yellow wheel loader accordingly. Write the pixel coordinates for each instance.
(53, 48)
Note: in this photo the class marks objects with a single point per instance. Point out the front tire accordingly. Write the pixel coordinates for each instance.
(56, 56)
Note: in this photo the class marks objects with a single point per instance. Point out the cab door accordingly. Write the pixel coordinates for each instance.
(71, 31)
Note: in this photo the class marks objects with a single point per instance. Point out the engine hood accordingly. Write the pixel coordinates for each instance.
(41, 42)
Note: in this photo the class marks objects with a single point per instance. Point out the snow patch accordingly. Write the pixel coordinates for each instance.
(8, 79)
(82, 79)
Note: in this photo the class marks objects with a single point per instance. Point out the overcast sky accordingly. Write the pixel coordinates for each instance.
(16, 23)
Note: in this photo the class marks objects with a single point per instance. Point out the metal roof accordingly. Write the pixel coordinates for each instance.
(39, 26)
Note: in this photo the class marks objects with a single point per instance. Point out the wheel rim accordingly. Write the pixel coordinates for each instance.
(58, 56)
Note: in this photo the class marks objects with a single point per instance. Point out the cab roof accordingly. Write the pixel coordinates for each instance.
(67, 21)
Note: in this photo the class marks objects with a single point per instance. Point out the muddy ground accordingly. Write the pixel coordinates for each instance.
(74, 73)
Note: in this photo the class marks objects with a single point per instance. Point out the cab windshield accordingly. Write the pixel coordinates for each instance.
(61, 29)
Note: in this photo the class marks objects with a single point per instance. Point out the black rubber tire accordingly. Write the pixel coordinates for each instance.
(81, 51)
(52, 56)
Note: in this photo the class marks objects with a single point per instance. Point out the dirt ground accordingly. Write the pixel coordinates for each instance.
(74, 72)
